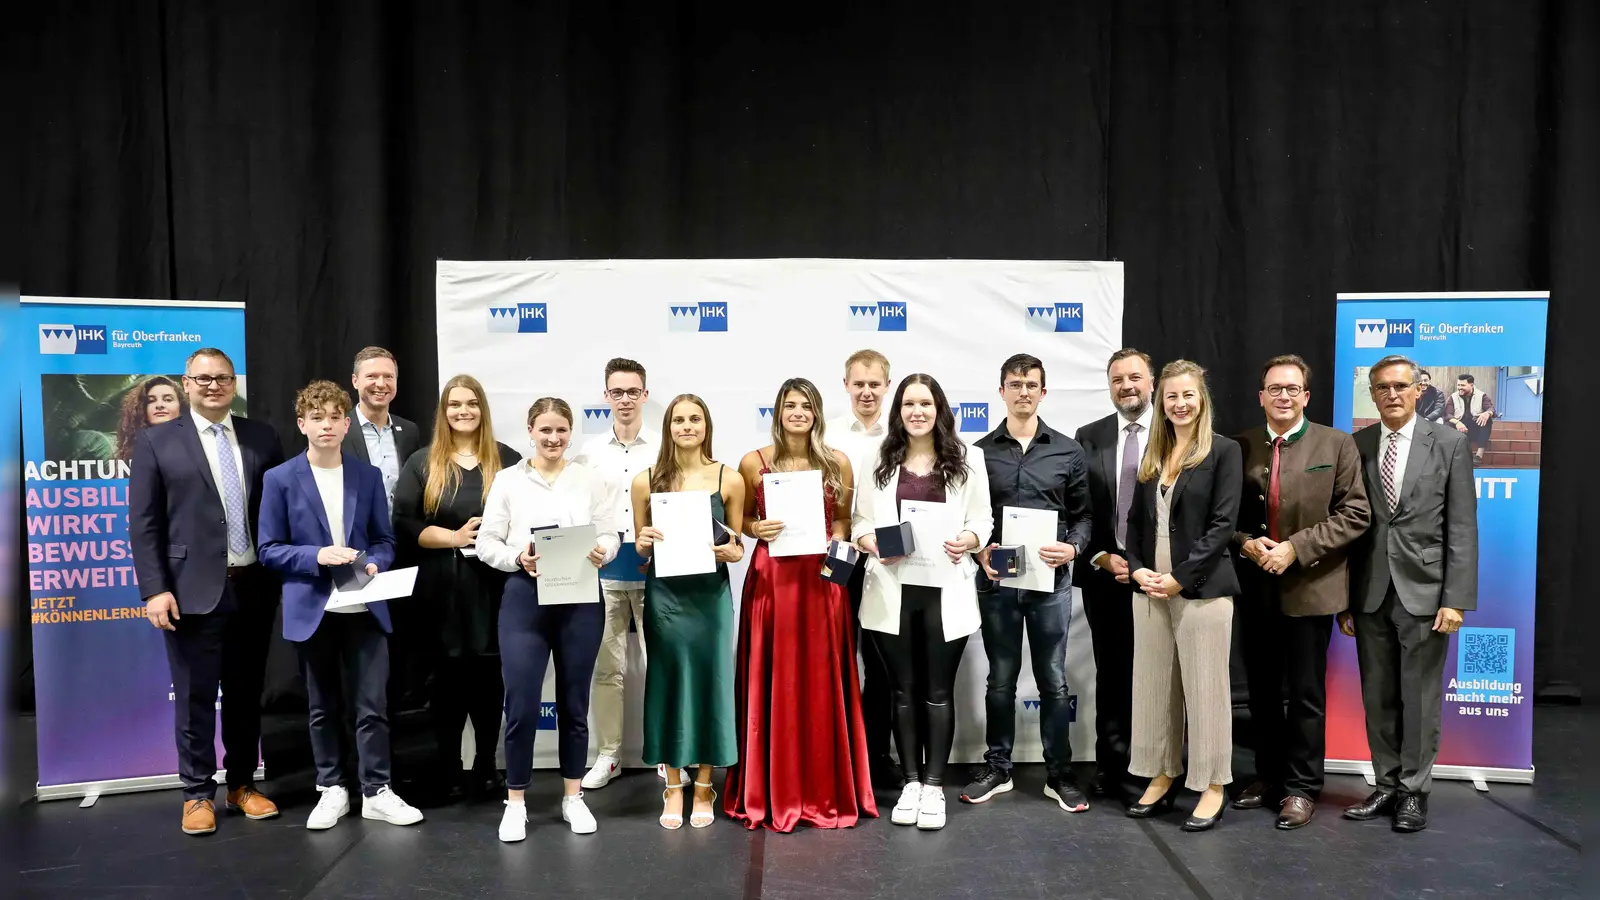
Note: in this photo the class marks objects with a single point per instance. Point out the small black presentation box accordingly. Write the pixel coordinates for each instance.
(1010, 560)
(895, 541)
(840, 563)
(352, 577)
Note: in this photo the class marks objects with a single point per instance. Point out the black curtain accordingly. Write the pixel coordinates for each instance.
(1246, 159)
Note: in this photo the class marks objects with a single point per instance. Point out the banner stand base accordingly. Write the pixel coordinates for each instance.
(1478, 775)
(92, 791)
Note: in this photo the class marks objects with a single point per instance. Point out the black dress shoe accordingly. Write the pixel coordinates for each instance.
(1379, 803)
(1258, 795)
(886, 774)
(1195, 823)
(1411, 813)
(1138, 810)
(1296, 813)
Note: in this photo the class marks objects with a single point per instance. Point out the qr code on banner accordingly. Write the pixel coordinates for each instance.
(1485, 653)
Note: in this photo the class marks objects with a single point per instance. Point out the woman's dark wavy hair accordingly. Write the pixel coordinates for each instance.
(947, 445)
(132, 419)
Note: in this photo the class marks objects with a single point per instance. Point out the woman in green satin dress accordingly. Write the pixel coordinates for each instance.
(688, 620)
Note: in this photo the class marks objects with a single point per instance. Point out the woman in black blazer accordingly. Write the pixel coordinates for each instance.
(1179, 527)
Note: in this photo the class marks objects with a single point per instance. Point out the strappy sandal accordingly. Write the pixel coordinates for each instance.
(671, 821)
(695, 820)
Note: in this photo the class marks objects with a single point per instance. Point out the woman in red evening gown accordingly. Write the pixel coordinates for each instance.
(802, 746)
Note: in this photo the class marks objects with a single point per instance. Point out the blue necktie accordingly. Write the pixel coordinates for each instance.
(232, 493)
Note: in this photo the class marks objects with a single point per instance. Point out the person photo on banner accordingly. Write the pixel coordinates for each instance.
(1180, 526)
(1304, 504)
(1431, 400)
(802, 744)
(438, 509)
(1471, 411)
(202, 585)
(547, 491)
(1034, 467)
(322, 510)
(1413, 574)
(154, 400)
(688, 619)
(920, 630)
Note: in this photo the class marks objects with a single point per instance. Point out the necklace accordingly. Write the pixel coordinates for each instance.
(467, 453)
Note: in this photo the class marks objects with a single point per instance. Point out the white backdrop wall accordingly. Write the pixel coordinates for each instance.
(732, 331)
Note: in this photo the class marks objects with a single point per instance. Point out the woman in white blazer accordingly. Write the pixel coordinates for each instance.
(920, 630)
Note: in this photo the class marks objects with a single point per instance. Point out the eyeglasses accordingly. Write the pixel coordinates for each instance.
(206, 381)
(1392, 387)
(619, 393)
(1284, 390)
(1017, 387)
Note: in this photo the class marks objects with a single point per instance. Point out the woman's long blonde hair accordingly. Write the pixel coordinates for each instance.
(443, 473)
(1163, 437)
(818, 455)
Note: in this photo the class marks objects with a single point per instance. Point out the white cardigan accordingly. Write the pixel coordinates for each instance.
(880, 593)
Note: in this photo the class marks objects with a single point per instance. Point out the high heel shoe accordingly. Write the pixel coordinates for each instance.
(1150, 810)
(1194, 823)
(695, 819)
(671, 821)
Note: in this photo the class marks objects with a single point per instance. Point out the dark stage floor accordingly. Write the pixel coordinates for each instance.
(1515, 842)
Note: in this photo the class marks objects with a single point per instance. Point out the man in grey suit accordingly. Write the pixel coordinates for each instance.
(1413, 574)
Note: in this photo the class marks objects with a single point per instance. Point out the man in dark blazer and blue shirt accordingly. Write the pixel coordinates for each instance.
(1412, 576)
(319, 512)
(194, 492)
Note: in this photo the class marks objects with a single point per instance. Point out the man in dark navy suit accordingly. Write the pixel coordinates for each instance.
(193, 499)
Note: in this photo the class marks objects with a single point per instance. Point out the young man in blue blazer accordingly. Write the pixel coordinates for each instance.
(319, 512)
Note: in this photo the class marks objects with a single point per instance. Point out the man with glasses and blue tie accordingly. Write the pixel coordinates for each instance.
(194, 495)
(1303, 507)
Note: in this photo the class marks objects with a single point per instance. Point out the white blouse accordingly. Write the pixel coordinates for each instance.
(521, 500)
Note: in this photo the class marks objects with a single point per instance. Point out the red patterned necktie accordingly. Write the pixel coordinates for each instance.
(1272, 491)
(1391, 456)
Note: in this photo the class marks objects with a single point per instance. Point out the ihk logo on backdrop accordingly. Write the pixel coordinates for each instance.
(596, 419)
(764, 419)
(70, 340)
(698, 317)
(973, 417)
(885, 315)
(1057, 318)
(524, 318)
(1386, 332)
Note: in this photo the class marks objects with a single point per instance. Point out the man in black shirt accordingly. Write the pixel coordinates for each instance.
(1031, 466)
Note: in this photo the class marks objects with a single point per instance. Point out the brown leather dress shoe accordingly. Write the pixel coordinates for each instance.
(253, 804)
(199, 817)
(1296, 813)
(1254, 797)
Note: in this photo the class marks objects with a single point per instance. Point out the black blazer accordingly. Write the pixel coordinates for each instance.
(175, 519)
(1205, 506)
(408, 438)
(1099, 442)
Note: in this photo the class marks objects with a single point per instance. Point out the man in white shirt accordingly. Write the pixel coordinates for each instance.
(858, 435)
(1113, 447)
(627, 450)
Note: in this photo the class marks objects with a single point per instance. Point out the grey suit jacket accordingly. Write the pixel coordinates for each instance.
(1428, 546)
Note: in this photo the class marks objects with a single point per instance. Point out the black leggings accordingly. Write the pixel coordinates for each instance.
(467, 687)
(922, 666)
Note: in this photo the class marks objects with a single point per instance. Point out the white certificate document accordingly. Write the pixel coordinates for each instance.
(1032, 528)
(931, 525)
(684, 520)
(565, 573)
(795, 499)
(390, 585)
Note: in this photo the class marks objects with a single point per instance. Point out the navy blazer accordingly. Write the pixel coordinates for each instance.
(175, 518)
(294, 527)
(1204, 508)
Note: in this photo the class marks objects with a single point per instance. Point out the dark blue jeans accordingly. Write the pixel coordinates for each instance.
(530, 635)
(1048, 618)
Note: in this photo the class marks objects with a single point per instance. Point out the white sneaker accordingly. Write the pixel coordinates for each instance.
(576, 813)
(388, 806)
(905, 811)
(333, 806)
(514, 824)
(605, 769)
(930, 815)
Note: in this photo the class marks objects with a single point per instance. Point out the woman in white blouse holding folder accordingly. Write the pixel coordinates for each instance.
(923, 630)
(543, 492)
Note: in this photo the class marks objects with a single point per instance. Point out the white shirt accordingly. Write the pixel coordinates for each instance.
(857, 442)
(617, 463)
(1402, 452)
(1274, 434)
(1115, 475)
(330, 484)
(520, 500)
(208, 442)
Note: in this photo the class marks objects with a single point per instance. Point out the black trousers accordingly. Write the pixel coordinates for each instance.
(348, 655)
(1286, 664)
(922, 667)
(877, 705)
(466, 687)
(1109, 608)
(228, 648)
